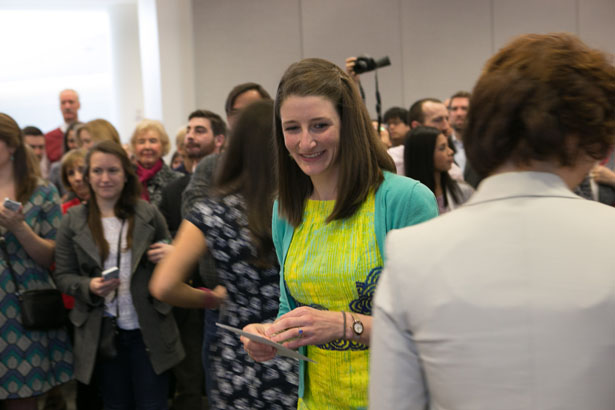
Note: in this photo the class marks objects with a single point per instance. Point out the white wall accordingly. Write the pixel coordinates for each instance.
(176, 62)
(202, 48)
(241, 41)
(127, 78)
(437, 47)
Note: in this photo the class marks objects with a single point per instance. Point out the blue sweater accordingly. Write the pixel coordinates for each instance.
(400, 202)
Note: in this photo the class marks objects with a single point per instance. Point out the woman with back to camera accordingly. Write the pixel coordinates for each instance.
(235, 226)
(116, 229)
(150, 143)
(509, 301)
(96, 131)
(338, 198)
(428, 158)
(33, 361)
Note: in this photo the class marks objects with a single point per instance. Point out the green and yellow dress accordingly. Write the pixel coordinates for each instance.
(335, 266)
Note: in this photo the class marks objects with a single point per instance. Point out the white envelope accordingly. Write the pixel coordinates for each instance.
(282, 351)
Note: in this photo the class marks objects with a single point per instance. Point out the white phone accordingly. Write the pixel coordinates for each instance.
(12, 205)
(111, 273)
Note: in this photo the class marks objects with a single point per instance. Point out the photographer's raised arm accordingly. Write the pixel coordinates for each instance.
(350, 62)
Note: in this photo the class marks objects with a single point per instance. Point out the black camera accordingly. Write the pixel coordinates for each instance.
(366, 63)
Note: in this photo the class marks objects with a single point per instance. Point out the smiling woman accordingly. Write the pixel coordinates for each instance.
(117, 230)
(312, 137)
(150, 142)
(338, 198)
(428, 158)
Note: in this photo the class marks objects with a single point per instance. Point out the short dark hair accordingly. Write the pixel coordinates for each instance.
(396, 112)
(218, 126)
(362, 156)
(419, 149)
(541, 98)
(32, 130)
(459, 94)
(415, 113)
(240, 89)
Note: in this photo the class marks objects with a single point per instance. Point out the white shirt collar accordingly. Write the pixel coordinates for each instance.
(521, 184)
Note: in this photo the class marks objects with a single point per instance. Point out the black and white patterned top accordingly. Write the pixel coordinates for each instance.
(253, 295)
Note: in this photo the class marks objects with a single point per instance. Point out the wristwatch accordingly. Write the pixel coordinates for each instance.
(357, 326)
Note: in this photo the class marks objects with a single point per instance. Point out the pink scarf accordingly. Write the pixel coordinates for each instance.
(145, 174)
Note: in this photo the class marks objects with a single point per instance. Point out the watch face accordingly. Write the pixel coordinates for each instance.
(357, 327)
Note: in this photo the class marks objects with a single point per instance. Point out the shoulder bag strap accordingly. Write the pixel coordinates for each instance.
(119, 259)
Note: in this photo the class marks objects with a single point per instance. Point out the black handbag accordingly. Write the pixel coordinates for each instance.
(107, 345)
(41, 309)
(109, 331)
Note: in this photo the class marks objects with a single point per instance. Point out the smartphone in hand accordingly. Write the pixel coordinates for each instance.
(12, 205)
(111, 273)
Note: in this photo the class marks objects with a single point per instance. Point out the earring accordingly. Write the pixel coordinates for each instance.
(12, 157)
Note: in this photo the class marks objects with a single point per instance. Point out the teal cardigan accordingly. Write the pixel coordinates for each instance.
(400, 202)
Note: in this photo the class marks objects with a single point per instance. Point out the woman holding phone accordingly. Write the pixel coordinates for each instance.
(33, 361)
(102, 236)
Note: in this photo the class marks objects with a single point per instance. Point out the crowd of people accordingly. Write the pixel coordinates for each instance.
(457, 257)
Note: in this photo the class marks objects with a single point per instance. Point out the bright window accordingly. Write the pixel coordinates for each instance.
(46, 51)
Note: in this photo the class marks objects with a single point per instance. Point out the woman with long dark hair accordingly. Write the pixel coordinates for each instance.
(33, 361)
(234, 224)
(116, 229)
(428, 158)
(338, 198)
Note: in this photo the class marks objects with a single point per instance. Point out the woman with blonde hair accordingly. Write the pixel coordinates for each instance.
(95, 131)
(150, 143)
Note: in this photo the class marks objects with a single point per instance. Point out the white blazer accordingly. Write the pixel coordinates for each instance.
(506, 303)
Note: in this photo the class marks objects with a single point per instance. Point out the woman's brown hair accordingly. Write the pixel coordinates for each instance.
(100, 130)
(68, 161)
(541, 98)
(25, 170)
(361, 155)
(247, 167)
(125, 205)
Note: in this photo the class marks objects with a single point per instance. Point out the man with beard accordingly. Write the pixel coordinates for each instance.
(205, 135)
(458, 110)
(35, 139)
(69, 105)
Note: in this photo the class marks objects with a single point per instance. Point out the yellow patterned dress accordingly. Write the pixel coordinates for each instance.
(335, 266)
